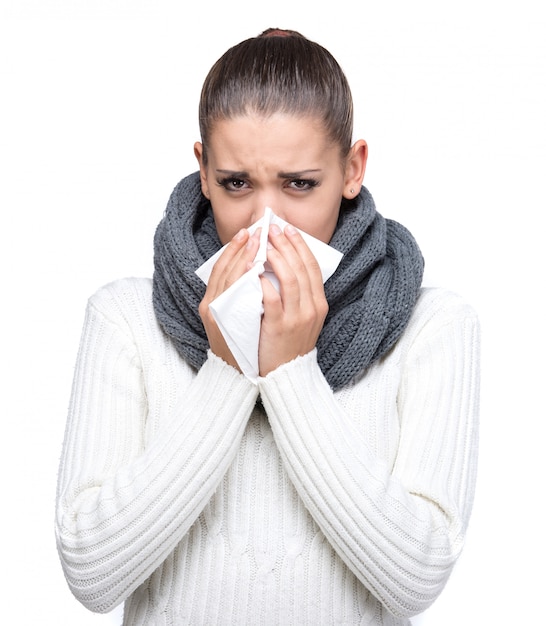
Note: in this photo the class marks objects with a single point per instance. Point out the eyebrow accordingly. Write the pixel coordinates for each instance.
(283, 175)
(301, 174)
(233, 173)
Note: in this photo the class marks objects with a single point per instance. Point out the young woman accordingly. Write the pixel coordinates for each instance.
(338, 487)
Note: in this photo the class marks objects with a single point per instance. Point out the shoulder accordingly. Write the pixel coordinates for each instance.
(125, 302)
(437, 310)
(124, 293)
(126, 306)
(439, 305)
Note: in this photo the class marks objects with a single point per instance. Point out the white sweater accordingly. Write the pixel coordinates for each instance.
(179, 496)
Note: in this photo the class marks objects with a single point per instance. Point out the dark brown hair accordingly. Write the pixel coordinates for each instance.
(280, 71)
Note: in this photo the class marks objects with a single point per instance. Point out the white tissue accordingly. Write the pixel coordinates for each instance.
(238, 311)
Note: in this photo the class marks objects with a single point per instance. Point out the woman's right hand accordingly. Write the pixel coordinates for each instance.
(236, 259)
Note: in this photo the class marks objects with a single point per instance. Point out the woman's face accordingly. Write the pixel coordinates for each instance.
(285, 162)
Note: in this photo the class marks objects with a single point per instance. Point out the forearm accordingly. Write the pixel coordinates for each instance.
(126, 499)
(400, 543)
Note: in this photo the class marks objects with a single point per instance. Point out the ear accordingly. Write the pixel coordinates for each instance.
(355, 169)
(198, 151)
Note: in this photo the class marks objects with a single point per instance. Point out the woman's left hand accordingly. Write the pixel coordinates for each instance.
(294, 316)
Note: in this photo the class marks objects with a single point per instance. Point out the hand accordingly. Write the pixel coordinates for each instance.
(294, 316)
(236, 259)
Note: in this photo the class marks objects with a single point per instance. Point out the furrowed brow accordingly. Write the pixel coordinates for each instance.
(300, 174)
(233, 173)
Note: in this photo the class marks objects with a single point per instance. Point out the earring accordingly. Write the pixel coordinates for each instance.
(351, 190)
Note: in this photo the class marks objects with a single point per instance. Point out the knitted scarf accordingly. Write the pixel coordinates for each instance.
(370, 296)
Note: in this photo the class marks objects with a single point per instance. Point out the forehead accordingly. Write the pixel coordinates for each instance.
(279, 138)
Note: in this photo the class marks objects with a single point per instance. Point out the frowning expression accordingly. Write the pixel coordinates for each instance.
(285, 162)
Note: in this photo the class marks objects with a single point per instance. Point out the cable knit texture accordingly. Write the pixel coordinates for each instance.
(370, 296)
(183, 497)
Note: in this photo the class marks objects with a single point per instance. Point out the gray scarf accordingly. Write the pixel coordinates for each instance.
(370, 296)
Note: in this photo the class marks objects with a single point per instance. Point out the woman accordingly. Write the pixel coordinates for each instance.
(338, 487)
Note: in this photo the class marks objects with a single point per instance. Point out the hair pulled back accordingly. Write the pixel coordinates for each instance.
(280, 71)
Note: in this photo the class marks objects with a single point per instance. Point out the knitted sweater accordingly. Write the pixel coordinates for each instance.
(180, 495)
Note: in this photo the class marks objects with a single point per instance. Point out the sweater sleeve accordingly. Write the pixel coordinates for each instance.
(399, 527)
(128, 493)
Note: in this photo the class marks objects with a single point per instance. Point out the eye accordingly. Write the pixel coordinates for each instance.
(232, 184)
(303, 184)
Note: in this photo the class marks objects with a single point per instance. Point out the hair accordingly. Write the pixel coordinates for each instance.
(280, 71)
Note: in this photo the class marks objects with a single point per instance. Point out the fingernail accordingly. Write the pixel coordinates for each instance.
(274, 230)
(289, 229)
(240, 235)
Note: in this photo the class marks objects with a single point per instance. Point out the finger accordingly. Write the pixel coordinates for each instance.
(233, 262)
(309, 260)
(295, 266)
(230, 252)
(292, 283)
(272, 301)
(295, 250)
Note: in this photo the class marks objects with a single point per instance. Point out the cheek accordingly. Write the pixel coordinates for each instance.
(228, 224)
(319, 225)
(328, 230)
(322, 224)
(226, 232)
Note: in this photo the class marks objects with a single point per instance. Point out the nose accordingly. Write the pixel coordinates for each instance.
(268, 199)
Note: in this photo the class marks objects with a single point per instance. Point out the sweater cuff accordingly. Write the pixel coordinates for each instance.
(219, 375)
(301, 377)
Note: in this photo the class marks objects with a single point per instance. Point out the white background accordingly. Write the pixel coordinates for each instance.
(97, 122)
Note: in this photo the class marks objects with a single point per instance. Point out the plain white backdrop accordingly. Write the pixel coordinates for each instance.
(97, 122)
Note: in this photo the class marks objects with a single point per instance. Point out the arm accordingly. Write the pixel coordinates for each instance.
(126, 494)
(399, 528)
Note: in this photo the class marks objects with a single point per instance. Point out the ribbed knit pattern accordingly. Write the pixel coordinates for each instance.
(178, 494)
